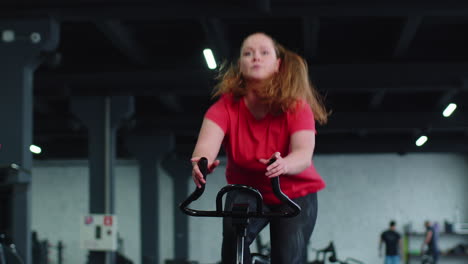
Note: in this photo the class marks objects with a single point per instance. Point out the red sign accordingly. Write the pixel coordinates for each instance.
(88, 220)
(108, 220)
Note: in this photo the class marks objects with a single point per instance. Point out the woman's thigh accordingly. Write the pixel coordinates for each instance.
(289, 236)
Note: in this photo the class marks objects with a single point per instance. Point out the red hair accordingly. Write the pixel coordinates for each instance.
(284, 90)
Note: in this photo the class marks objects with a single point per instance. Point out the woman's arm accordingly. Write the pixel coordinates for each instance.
(302, 149)
(300, 157)
(208, 144)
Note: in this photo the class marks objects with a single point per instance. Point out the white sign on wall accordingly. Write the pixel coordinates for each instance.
(99, 232)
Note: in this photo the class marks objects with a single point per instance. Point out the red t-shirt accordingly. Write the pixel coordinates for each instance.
(247, 140)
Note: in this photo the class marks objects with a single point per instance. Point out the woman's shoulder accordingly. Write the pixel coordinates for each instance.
(299, 104)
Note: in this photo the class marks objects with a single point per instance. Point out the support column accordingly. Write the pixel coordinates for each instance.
(149, 150)
(102, 116)
(180, 171)
(21, 42)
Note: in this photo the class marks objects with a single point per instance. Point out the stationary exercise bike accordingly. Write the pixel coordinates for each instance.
(240, 212)
(8, 253)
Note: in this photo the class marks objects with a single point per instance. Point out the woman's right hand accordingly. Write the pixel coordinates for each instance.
(197, 176)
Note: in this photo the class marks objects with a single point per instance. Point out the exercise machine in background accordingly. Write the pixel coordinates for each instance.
(8, 253)
(328, 255)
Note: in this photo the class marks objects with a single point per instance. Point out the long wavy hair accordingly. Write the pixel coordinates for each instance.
(283, 90)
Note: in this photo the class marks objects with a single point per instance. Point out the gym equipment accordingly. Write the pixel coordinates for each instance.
(8, 253)
(349, 261)
(240, 213)
(40, 250)
(427, 259)
(321, 256)
(14, 225)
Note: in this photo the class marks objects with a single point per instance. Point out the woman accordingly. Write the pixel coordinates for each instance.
(267, 109)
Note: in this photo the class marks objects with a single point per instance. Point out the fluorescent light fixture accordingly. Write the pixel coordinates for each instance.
(421, 140)
(35, 149)
(449, 109)
(210, 60)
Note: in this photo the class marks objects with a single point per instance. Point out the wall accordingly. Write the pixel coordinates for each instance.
(364, 193)
(60, 199)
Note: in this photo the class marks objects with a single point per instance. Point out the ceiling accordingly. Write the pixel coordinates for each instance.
(387, 68)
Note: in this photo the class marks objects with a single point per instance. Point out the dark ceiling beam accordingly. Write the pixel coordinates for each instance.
(358, 125)
(465, 84)
(50, 136)
(331, 78)
(388, 75)
(341, 122)
(310, 32)
(264, 6)
(385, 145)
(124, 40)
(377, 99)
(154, 11)
(215, 33)
(382, 145)
(42, 105)
(447, 97)
(123, 83)
(394, 121)
(58, 146)
(407, 35)
(171, 102)
(376, 88)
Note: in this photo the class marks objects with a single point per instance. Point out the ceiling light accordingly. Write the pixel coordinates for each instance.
(449, 109)
(210, 60)
(421, 140)
(8, 35)
(35, 149)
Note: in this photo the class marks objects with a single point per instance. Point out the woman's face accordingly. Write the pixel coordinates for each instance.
(258, 60)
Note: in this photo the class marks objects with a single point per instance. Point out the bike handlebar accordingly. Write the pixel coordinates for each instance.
(203, 165)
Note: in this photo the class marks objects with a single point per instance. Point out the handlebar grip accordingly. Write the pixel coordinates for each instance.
(203, 166)
(296, 209)
(275, 184)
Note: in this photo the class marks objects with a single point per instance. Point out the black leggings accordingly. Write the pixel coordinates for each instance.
(289, 236)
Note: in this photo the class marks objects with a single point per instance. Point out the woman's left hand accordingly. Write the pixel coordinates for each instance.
(277, 168)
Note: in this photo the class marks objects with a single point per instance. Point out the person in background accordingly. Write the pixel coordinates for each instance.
(431, 242)
(266, 110)
(393, 245)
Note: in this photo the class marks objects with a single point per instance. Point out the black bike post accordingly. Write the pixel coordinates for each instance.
(241, 224)
(240, 251)
(241, 234)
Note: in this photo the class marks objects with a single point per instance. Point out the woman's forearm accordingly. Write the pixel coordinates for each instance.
(298, 161)
(206, 150)
(302, 149)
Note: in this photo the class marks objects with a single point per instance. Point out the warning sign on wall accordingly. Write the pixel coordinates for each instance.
(108, 220)
(99, 232)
